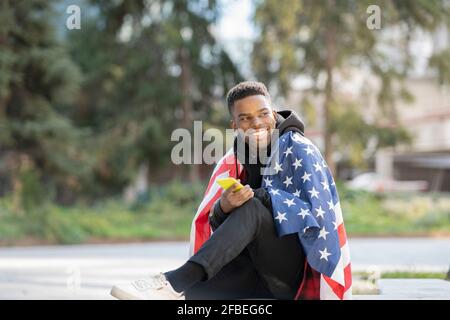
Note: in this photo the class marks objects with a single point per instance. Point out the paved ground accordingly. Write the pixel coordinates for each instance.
(88, 271)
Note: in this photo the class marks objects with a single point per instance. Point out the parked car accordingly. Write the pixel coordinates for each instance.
(371, 181)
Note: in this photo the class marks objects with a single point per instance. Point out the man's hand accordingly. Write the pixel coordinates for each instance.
(231, 200)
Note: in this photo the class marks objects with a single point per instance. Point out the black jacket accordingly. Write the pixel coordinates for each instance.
(286, 120)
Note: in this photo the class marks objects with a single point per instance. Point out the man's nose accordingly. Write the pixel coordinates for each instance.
(257, 123)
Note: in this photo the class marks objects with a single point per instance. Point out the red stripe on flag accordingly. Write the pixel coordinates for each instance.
(337, 288)
(342, 235)
(348, 276)
(227, 163)
(202, 227)
(219, 171)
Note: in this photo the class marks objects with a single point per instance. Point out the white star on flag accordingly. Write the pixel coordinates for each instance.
(278, 167)
(288, 181)
(314, 193)
(289, 202)
(288, 151)
(281, 216)
(309, 150)
(274, 192)
(297, 138)
(323, 233)
(335, 225)
(317, 166)
(324, 254)
(330, 205)
(268, 182)
(297, 193)
(297, 163)
(324, 165)
(320, 212)
(306, 177)
(325, 185)
(303, 213)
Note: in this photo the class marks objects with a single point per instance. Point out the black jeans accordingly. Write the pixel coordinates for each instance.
(245, 259)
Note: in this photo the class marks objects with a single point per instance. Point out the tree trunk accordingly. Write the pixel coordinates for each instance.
(186, 105)
(330, 44)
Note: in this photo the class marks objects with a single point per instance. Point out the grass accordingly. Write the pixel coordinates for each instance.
(165, 213)
(395, 214)
(413, 275)
(401, 275)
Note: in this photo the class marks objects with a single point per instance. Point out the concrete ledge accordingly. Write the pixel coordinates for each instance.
(410, 289)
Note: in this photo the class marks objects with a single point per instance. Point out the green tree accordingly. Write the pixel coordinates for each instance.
(37, 81)
(149, 67)
(323, 38)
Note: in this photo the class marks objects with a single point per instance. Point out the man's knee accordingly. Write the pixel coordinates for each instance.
(255, 207)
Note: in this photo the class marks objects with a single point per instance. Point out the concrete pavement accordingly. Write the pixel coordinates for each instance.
(89, 271)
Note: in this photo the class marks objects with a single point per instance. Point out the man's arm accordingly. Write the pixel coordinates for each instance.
(217, 216)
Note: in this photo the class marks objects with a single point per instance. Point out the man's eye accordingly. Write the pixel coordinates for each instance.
(243, 119)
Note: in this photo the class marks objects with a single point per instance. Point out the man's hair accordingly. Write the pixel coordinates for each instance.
(244, 90)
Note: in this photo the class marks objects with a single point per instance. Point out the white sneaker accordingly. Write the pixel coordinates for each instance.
(154, 288)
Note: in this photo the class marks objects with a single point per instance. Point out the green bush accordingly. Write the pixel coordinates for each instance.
(166, 213)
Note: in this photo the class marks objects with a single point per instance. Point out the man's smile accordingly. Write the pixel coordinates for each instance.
(258, 134)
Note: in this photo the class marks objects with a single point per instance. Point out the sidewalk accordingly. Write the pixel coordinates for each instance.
(89, 271)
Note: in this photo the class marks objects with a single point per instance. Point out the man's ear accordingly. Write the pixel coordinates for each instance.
(274, 113)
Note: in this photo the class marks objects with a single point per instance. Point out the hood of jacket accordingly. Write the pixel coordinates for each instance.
(288, 120)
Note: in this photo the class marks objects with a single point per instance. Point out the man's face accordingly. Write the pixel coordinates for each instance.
(255, 117)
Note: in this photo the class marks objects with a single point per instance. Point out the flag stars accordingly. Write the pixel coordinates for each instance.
(297, 163)
(303, 213)
(309, 150)
(289, 202)
(319, 212)
(324, 254)
(288, 151)
(281, 216)
(314, 193)
(288, 181)
(278, 167)
(306, 177)
(268, 182)
(297, 138)
(323, 233)
(318, 167)
(335, 225)
(330, 205)
(297, 193)
(325, 185)
(274, 192)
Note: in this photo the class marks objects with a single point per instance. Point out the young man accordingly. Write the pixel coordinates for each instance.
(242, 245)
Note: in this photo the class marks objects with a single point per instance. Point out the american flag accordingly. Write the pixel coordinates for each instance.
(200, 228)
(304, 201)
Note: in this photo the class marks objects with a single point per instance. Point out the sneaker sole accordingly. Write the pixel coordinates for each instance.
(118, 293)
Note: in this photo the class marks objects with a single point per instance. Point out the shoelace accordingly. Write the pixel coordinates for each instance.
(157, 282)
(153, 282)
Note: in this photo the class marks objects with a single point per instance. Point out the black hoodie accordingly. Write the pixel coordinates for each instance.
(286, 120)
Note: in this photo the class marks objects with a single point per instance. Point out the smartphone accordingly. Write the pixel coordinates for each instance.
(226, 183)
